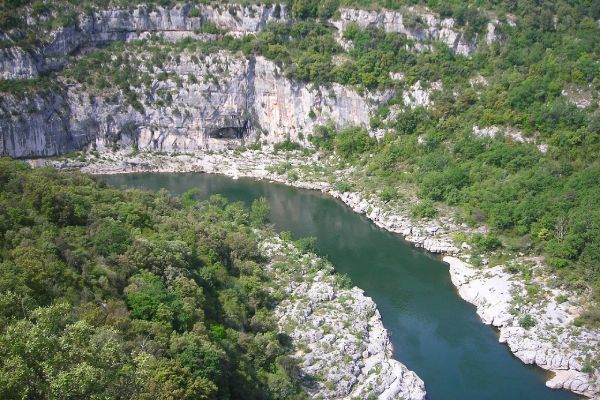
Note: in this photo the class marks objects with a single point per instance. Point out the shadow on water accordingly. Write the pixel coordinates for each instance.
(433, 331)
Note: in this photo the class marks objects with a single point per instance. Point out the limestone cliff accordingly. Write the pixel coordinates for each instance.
(216, 101)
(248, 100)
(104, 26)
(418, 24)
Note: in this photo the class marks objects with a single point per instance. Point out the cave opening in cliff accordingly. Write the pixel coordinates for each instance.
(235, 130)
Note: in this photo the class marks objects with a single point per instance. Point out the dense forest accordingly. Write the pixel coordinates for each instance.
(125, 294)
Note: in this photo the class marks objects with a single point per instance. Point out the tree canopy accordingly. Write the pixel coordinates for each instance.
(124, 294)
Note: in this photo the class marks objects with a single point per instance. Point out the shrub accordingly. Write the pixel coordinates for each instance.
(388, 194)
(527, 321)
(308, 244)
(343, 186)
(260, 211)
(194, 12)
(486, 243)
(343, 281)
(352, 142)
(210, 27)
(287, 145)
(424, 209)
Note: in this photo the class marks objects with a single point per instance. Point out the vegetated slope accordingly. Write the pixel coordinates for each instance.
(110, 293)
(509, 134)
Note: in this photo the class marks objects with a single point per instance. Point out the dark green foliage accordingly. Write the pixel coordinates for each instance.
(127, 294)
(145, 295)
(424, 209)
(352, 142)
(203, 360)
(308, 244)
(210, 27)
(287, 145)
(443, 185)
(486, 243)
(343, 280)
(527, 321)
(322, 137)
(187, 198)
(109, 237)
(388, 194)
(260, 211)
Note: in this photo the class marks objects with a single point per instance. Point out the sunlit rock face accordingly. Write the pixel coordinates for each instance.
(104, 26)
(418, 24)
(244, 101)
(222, 100)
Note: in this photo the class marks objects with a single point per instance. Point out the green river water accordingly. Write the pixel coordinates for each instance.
(434, 332)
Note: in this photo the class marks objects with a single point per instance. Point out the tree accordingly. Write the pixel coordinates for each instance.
(351, 142)
(169, 380)
(146, 294)
(109, 237)
(305, 8)
(260, 211)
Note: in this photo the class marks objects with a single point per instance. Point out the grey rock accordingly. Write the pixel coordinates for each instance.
(105, 26)
(417, 23)
(252, 101)
(15, 63)
(348, 350)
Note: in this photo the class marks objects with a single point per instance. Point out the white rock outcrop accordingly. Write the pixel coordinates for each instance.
(417, 95)
(553, 343)
(417, 23)
(581, 96)
(16, 63)
(507, 132)
(338, 332)
(125, 24)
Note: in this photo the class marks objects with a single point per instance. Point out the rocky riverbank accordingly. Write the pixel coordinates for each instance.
(549, 340)
(343, 348)
(535, 320)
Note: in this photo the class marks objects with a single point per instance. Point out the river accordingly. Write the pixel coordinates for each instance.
(434, 332)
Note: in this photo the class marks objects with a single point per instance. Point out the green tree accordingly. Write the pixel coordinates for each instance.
(260, 211)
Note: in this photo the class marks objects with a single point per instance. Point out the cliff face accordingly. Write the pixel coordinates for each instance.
(219, 101)
(287, 109)
(245, 101)
(104, 26)
(36, 125)
(15, 63)
(417, 24)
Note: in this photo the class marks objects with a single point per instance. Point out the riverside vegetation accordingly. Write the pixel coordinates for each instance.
(125, 294)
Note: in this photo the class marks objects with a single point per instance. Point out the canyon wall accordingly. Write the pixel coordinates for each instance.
(104, 26)
(249, 100)
(232, 101)
(418, 24)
